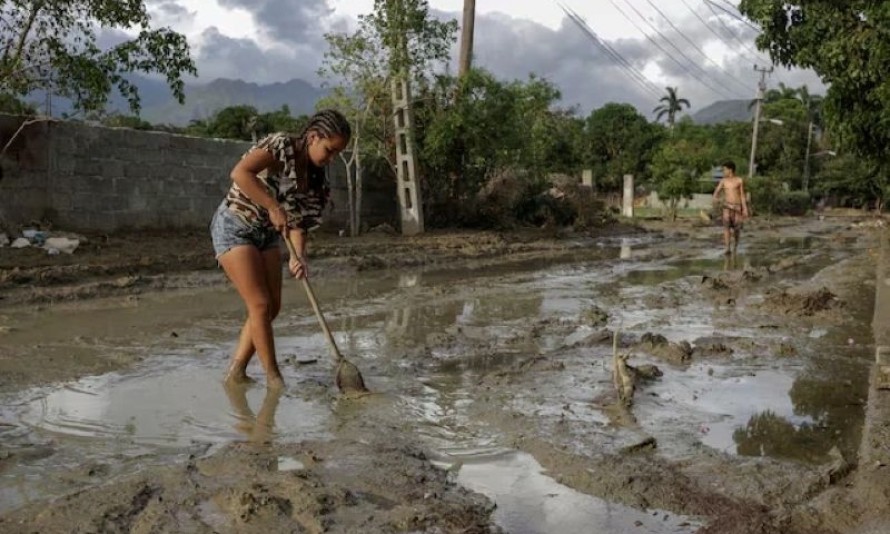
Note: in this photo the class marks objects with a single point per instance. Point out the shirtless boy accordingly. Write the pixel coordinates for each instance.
(735, 206)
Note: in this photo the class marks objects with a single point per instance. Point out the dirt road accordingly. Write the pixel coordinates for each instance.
(494, 408)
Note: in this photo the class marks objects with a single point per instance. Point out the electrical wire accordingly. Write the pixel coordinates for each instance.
(685, 68)
(694, 45)
(638, 77)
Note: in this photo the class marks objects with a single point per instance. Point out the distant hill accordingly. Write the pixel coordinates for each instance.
(724, 111)
(202, 100)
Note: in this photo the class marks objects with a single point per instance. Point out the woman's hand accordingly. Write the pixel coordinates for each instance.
(278, 218)
(298, 267)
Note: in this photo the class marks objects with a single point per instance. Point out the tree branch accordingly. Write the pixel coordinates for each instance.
(24, 37)
(22, 126)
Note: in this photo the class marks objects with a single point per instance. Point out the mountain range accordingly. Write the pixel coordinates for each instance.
(724, 111)
(204, 99)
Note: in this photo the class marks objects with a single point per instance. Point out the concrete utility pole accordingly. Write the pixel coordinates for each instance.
(761, 91)
(466, 37)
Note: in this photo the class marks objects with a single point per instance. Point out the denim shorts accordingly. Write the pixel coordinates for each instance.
(228, 231)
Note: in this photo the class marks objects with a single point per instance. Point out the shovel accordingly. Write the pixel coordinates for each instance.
(349, 379)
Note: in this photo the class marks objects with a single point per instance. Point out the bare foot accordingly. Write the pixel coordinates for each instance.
(234, 377)
(275, 383)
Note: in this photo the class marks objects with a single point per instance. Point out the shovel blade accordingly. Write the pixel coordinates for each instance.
(349, 378)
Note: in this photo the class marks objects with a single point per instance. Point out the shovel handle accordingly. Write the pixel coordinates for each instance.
(311, 295)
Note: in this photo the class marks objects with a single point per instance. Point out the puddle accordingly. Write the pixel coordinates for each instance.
(173, 407)
(530, 502)
(429, 338)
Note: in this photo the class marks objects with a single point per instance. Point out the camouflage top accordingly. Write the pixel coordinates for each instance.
(303, 205)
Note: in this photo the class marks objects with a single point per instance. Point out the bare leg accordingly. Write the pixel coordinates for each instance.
(245, 267)
(245, 350)
(738, 234)
(726, 238)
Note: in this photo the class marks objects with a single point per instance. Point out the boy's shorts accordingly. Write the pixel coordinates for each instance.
(732, 216)
(227, 231)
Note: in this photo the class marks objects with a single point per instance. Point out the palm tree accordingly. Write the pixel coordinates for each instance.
(671, 104)
(774, 95)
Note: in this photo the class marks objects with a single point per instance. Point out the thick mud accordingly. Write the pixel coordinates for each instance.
(494, 405)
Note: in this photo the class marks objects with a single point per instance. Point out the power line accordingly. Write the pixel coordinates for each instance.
(668, 54)
(693, 44)
(730, 31)
(614, 53)
(735, 16)
(722, 38)
(682, 54)
(638, 77)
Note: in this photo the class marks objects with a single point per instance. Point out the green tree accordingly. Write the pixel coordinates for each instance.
(398, 38)
(14, 106)
(551, 140)
(680, 162)
(618, 141)
(236, 122)
(851, 180)
(671, 104)
(847, 44)
(117, 120)
(781, 151)
(281, 120)
(52, 45)
(470, 135)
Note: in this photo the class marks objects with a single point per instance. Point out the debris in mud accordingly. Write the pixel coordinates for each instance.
(384, 228)
(839, 467)
(805, 304)
(647, 372)
(877, 223)
(658, 346)
(646, 444)
(594, 316)
(711, 348)
(597, 338)
(623, 378)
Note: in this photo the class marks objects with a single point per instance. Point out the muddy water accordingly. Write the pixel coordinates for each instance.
(427, 342)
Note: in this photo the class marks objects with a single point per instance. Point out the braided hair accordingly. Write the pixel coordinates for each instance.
(325, 123)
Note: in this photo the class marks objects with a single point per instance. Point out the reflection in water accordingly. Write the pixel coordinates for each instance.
(626, 252)
(530, 502)
(833, 413)
(768, 434)
(259, 428)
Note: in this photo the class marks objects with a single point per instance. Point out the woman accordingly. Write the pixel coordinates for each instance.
(279, 189)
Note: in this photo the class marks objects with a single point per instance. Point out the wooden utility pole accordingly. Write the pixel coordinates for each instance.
(466, 37)
(761, 91)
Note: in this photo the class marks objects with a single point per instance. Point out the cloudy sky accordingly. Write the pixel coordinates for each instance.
(691, 44)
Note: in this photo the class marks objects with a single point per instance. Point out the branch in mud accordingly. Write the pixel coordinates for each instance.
(623, 378)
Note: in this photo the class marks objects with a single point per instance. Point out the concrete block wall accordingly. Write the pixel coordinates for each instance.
(91, 178)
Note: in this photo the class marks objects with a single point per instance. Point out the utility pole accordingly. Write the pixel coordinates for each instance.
(466, 37)
(761, 91)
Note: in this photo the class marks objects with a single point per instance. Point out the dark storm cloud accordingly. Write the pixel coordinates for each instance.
(513, 48)
(508, 47)
(220, 56)
(289, 21)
